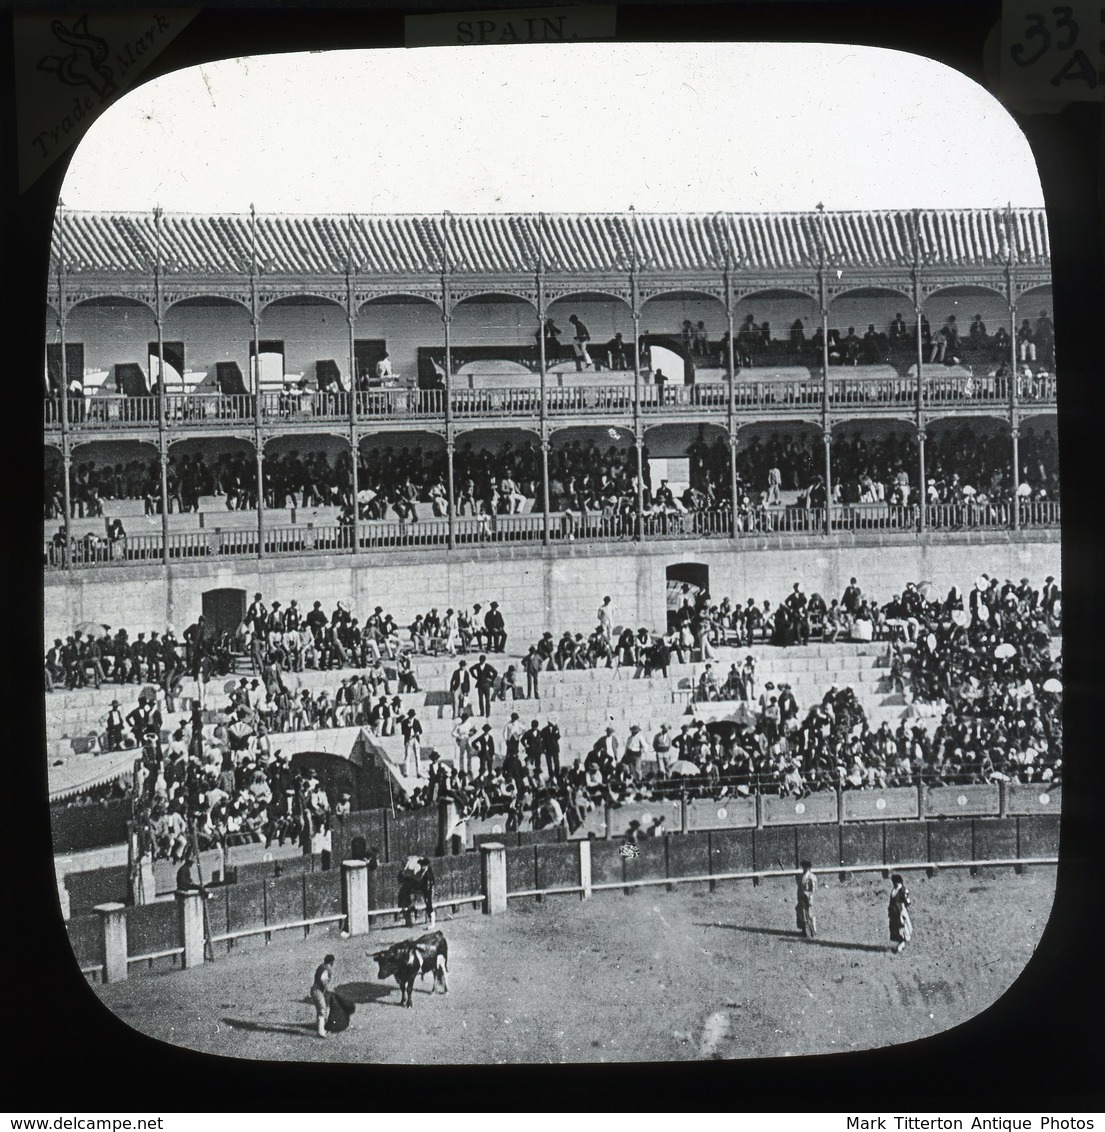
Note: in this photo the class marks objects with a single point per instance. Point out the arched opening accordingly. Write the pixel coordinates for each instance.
(685, 582)
(211, 331)
(774, 328)
(404, 332)
(492, 328)
(966, 325)
(224, 609)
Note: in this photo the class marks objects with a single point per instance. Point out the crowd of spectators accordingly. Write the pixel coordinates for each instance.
(982, 662)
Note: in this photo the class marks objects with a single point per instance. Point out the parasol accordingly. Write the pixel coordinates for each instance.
(967, 490)
(91, 628)
(1053, 685)
(684, 766)
(927, 590)
(150, 691)
(229, 686)
(1005, 650)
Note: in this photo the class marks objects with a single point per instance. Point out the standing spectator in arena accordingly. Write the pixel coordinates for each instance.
(606, 619)
(579, 343)
(484, 746)
(852, 598)
(114, 727)
(1026, 345)
(660, 378)
(496, 629)
(615, 353)
(383, 368)
(532, 663)
(1045, 340)
(484, 675)
(901, 926)
(807, 885)
(320, 993)
(533, 744)
(774, 486)
(661, 748)
(460, 689)
(701, 344)
(552, 341)
(412, 744)
(550, 742)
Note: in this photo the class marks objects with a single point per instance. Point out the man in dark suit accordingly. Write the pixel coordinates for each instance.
(460, 688)
(484, 676)
(484, 746)
(496, 629)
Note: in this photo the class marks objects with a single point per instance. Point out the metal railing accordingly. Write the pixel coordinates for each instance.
(850, 393)
(564, 526)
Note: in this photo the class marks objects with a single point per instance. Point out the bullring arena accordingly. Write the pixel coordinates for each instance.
(237, 799)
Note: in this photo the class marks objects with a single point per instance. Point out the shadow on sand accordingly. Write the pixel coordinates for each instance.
(844, 945)
(296, 1029)
(365, 992)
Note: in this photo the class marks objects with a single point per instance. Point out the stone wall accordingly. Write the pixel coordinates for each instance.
(537, 590)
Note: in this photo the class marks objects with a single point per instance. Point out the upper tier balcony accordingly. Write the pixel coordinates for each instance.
(848, 397)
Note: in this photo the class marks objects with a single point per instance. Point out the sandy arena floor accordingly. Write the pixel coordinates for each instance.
(654, 976)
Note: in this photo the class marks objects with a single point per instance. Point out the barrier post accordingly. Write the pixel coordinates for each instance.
(190, 913)
(684, 805)
(446, 823)
(113, 925)
(493, 875)
(759, 811)
(354, 896)
(585, 868)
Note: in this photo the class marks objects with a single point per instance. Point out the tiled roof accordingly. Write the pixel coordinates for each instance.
(577, 242)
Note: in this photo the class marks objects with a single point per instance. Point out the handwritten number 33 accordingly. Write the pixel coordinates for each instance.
(1037, 29)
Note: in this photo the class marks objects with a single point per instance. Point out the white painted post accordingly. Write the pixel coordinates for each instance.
(493, 874)
(189, 904)
(585, 869)
(354, 896)
(113, 924)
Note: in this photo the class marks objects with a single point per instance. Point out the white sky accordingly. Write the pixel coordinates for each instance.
(695, 127)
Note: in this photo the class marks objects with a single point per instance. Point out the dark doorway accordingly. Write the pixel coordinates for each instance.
(686, 580)
(74, 363)
(225, 610)
(366, 353)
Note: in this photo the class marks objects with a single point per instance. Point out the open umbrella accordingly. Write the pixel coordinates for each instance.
(1005, 650)
(229, 686)
(150, 692)
(927, 590)
(1053, 685)
(91, 628)
(684, 766)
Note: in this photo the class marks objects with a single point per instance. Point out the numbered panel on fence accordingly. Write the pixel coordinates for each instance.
(959, 801)
(457, 877)
(643, 816)
(383, 886)
(245, 905)
(877, 805)
(98, 886)
(722, 813)
(558, 866)
(819, 844)
(322, 894)
(284, 899)
(689, 854)
(950, 841)
(593, 823)
(731, 851)
(606, 862)
(792, 811)
(412, 834)
(86, 937)
(861, 844)
(995, 839)
(1038, 835)
(907, 843)
(521, 874)
(775, 848)
(153, 927)
(1033, 799)
(648, 862)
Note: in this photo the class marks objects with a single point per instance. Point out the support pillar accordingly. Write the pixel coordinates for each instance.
(828, 441)
(113, 925)
(584, 869)
(545, 503)
(493, 875)
(733, 429)
(451, 486)
(354, 896)
(1015, 434)
(190, 917)
(639, 444)
(922, 503)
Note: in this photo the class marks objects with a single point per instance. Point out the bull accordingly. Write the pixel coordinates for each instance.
(429, 954)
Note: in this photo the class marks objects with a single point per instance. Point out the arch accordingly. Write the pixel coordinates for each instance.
(777, 293)
(102, 444)
(208, 300)
(870, 292)
(684, 580)
(112, 301)
(297, 441)
(966, 289)
(587, 296)
(467, 430)
(494, 296)
(684, 293)
(964, 418)
(892, 422)
(224, 608)
(406, 296)
(302, 299)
